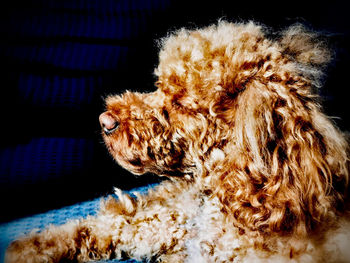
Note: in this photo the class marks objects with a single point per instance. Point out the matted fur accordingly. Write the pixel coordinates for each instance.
(258, 173)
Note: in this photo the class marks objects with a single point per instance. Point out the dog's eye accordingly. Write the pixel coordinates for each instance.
(137, 116)
(166, 114)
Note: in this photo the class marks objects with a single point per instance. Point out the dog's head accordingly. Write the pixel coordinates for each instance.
(240, 109)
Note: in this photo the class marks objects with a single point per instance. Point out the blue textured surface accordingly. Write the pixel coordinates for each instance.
(62, 57)
(12, 230)
(58, 54)
(69, 55)
(44, 158)
(57, 91)
(99, 19)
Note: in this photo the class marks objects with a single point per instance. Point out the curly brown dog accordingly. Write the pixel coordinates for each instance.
(257, 172)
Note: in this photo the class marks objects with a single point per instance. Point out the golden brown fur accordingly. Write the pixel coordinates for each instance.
(257, 171)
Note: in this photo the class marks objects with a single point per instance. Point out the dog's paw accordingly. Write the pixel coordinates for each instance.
(28, 251)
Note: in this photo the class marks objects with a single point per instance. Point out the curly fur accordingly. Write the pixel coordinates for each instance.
(258, 173)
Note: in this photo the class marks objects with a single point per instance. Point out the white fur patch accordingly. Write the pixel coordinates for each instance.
(217, 155)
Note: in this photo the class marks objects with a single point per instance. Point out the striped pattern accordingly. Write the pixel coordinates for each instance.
(62, 57)
(58, 91)
(44, 159)
(70, 56)
(106, 19)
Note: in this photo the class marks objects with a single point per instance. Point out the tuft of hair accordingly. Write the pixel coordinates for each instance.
(308, 49)
(305, 46)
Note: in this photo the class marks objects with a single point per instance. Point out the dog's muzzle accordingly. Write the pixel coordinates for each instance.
(108, 123)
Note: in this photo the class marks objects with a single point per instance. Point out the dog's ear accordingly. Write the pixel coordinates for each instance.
(288, 161)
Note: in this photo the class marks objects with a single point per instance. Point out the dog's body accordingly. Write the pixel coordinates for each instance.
(257, 172)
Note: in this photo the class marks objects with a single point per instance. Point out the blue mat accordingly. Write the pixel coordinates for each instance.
(12, 230)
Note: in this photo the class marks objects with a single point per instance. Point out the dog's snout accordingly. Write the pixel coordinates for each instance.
(108, 122)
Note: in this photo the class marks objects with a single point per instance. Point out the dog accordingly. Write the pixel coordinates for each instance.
(256, 170)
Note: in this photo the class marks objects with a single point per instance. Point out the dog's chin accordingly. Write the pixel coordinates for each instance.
(116, 149)
(133, 165)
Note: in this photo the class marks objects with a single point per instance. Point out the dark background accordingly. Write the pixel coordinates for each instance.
(60, 58)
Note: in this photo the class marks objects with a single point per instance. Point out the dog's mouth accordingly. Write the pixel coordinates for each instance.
(118, 145)
(109, 131)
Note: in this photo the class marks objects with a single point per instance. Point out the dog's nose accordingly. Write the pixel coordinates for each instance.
(108, 122)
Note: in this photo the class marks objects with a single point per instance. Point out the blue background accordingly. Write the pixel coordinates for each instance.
(60, 58)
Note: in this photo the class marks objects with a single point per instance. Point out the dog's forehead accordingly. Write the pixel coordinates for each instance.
(155, 99)
(203, 64)
(129, 101)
